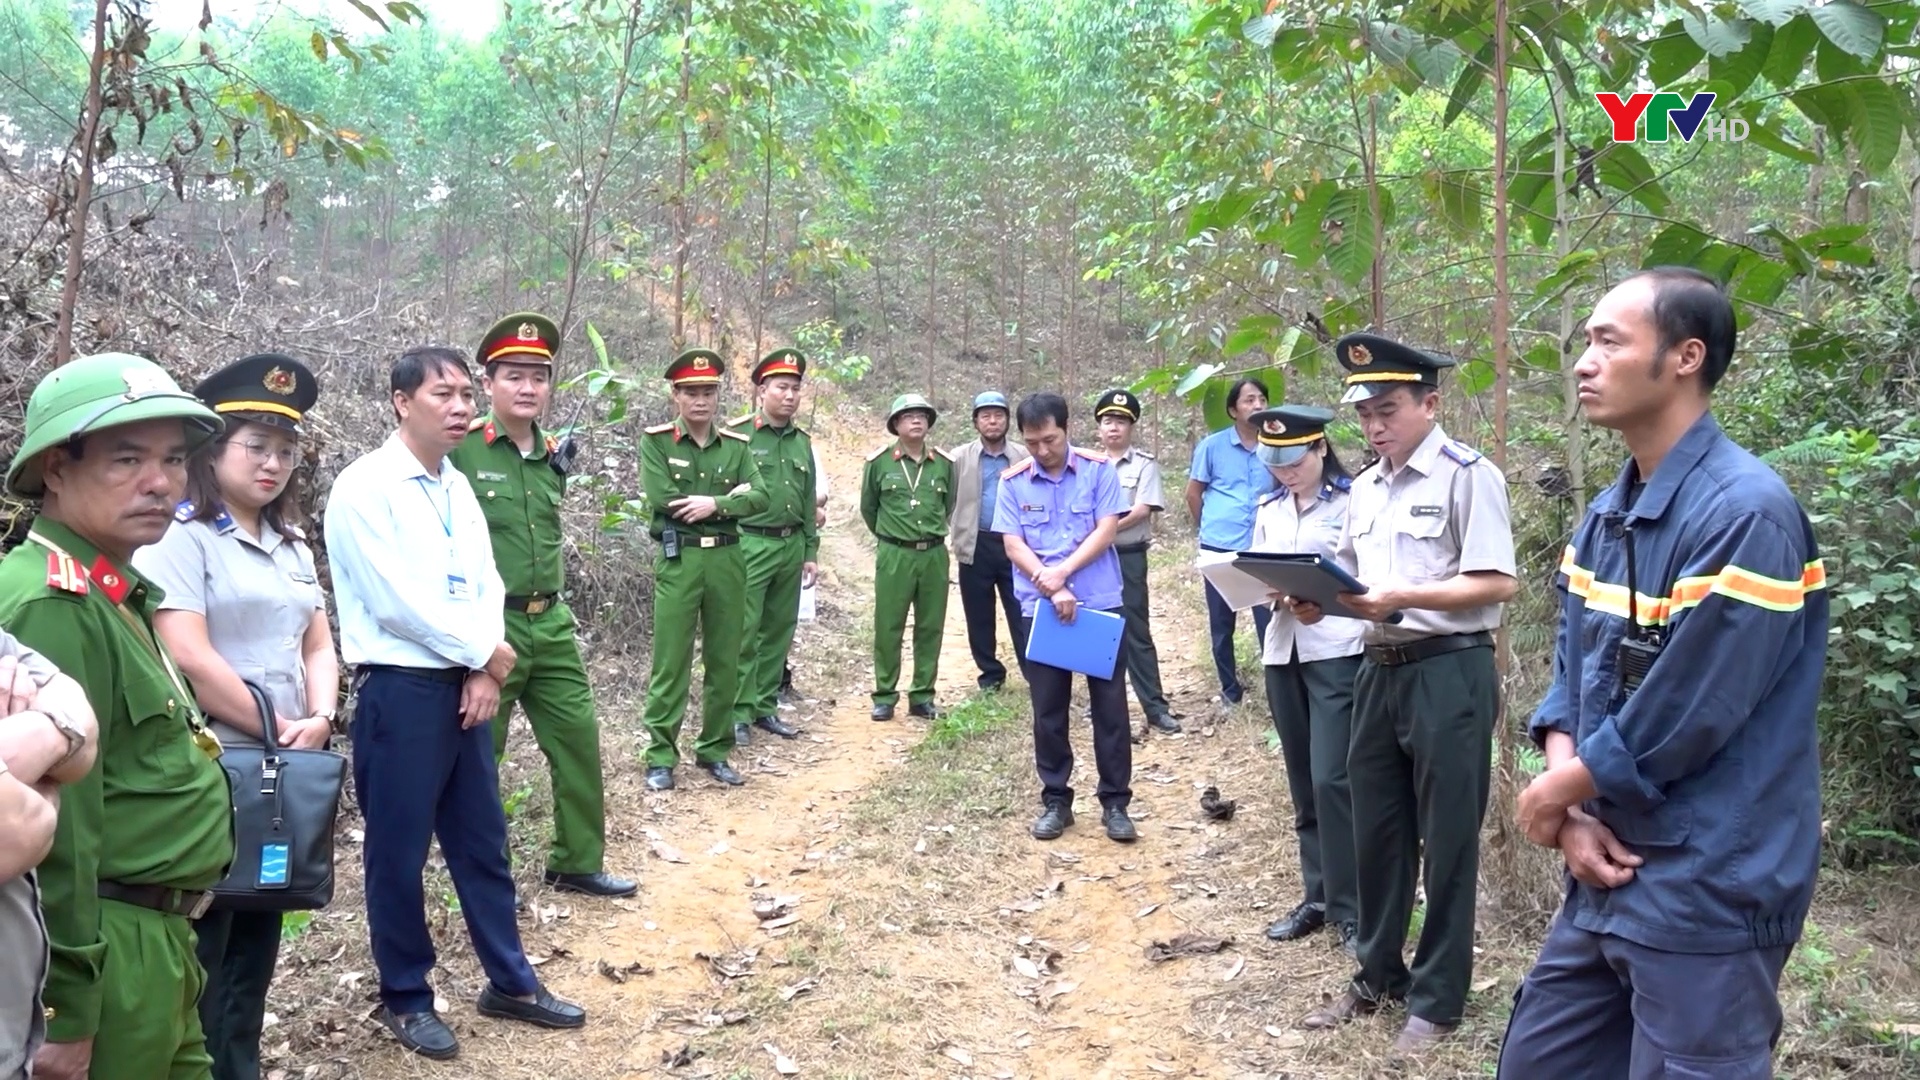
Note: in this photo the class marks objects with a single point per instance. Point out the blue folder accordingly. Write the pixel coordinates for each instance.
(1090, 646)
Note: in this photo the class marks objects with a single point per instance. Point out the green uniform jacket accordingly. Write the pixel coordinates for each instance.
(155, 810)
(785, 457)
(902, 500)
(672, 465)
(520, 496)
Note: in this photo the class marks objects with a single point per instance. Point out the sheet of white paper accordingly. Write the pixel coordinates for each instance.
(806, 604)
(1238, 588)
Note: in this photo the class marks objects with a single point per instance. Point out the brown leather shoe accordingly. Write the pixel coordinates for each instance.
(1419, 1036)
(1348, 1006)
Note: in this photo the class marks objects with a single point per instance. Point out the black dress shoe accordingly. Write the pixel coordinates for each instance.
(422, 1033)
(742, 734)
(1164, 723)
(776, 726)
(723, 772)
(598, 883)
(1233, 696)
(1119, 825)
(924, 710)
(883, 712)
(989, 685)
(1350, 938)
(544, 1010)
(1052, 821)
(1299, 922)
(660, 778)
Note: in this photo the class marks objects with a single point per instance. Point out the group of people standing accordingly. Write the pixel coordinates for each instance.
(164, 590)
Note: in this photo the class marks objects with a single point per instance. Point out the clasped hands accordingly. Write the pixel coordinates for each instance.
(480, 697)
(1594, 855)
(1052, 583)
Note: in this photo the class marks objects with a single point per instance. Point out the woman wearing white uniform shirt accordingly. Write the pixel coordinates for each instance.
(1310, 669)
(243, 605)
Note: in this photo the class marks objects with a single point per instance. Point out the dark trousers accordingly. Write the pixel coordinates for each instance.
(417, 775)
(1052, 690)
(1603, 1007)
(1312, 706)
(239, 950)
(988, 576)
(1222, 622)
(1420, 767)
(1141, 657)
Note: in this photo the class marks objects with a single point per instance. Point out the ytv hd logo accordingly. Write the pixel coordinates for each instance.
(1664, 110)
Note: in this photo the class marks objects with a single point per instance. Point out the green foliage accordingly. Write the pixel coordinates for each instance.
(976, 716)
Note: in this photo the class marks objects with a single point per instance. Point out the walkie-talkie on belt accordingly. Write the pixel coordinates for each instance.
(1642, 644)
(670, 542)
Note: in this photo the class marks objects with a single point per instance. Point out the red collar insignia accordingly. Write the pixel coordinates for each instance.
(488, 433)
(111, 579)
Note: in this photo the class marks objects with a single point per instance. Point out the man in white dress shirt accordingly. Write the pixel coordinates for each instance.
(421, 620)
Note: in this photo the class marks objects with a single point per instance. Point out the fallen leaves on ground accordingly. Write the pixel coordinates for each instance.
(1185, 945)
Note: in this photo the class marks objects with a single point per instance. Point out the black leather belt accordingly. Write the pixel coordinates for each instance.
(190, 905)
(1132, 549)
(532, 603)
(1413, 652)
(772, 532)
(717, 540)
(914, 545)
(437, 674)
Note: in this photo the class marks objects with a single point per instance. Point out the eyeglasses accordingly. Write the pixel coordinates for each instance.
(260, 453)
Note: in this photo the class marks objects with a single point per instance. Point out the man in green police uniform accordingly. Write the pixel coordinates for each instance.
(518, 473)
(780, 544)
(150, 829)
(906, 497)
(700, 482)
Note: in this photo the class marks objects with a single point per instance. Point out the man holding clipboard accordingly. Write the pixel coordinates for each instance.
(1428, 534)
(1059, 511)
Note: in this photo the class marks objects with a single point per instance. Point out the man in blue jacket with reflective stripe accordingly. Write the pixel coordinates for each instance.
(1683, 782)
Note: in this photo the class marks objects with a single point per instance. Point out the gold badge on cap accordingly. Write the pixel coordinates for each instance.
(280, 381)
(700, 363)
(527, 332)
(1276, 427)
(142, 381)
(1359, 356)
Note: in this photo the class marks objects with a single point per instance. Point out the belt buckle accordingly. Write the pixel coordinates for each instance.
(709, 541)
(200, 906)
(536, 607)
(919, 545)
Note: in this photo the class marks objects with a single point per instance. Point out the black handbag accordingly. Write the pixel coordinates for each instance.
(285, 802)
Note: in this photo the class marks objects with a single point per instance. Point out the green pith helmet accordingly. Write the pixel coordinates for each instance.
(98, 392)
(908, 403)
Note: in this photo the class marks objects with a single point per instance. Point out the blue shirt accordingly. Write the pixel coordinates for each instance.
(1235, 479)
(991, 466)
(1710, 771)
(1054, 515)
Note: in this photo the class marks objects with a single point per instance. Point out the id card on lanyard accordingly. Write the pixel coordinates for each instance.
(458, 587)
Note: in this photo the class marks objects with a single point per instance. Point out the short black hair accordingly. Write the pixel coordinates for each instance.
(1690, 304)
(1037, 409)
(1233, 395)
(419, 363)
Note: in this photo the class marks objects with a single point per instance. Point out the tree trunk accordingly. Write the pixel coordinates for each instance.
(1562, 246)
(82, 193)
(1816, 176)
(683, 223)
(1913, 240)
(1371, 156)
(1502, 314)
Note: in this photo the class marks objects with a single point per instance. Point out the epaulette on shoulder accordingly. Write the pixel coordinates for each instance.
(478, 423)
(1091, 455)
(1016, 470)
(64, 575)
(740, 419)
(1460, 452)
(884, 447)
(732, 434)
(1142, 454)
(184, 511)
(943, 454)
(660, 429)
(1343, 483)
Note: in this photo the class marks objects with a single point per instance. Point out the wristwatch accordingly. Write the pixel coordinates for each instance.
(76, 739)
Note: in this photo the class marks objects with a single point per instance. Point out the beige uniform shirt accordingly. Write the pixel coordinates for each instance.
(1280, 525)
(1139, 483)
(1444, 513)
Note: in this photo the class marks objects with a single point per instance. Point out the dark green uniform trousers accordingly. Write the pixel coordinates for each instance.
(550, 683)
(772, 614)
(708, 586)
(1143, 658)
(1312, 706)
(903, 579)
(1420, 766)
(150, 997)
